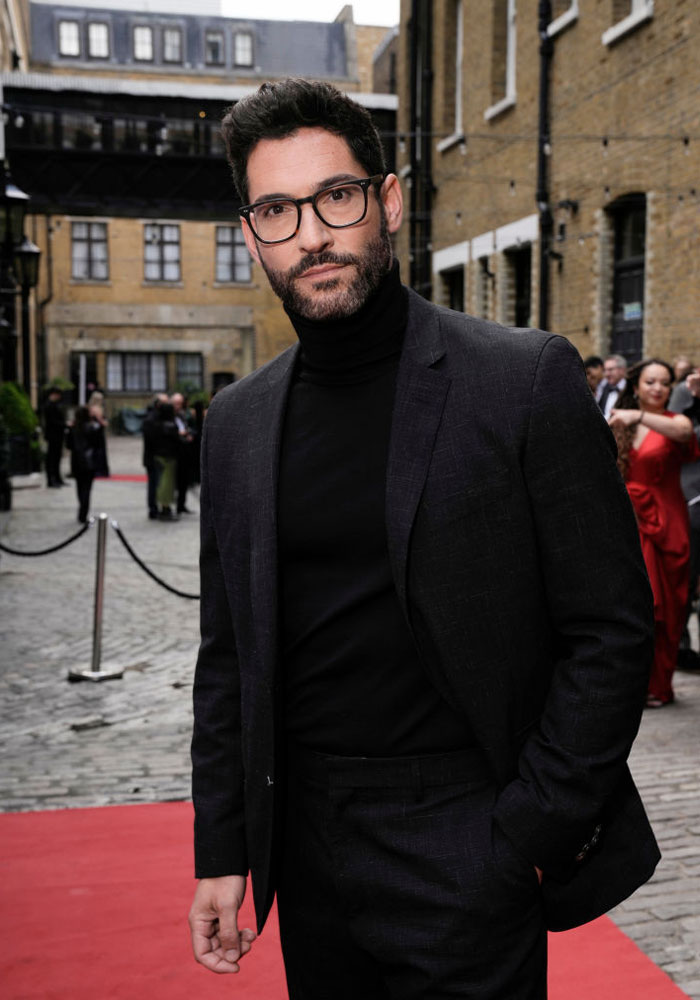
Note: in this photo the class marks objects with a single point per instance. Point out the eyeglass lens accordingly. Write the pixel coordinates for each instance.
(337, 206)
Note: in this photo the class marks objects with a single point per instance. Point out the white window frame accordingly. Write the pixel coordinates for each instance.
(640, 11)
(511, 41)
(564, 20)
(140, 33)
(458, 131)
(73, 36)
(158, 234)
(233, 265)
(98, 41)
(172, 31)
(209, 33)
(117, 371)
(96, 234)
(246, 40)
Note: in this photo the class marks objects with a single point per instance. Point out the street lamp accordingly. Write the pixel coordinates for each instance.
(13, 205)
(27, 256)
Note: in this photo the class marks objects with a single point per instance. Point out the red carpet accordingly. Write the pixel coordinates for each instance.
(94, 905)
(124, 478)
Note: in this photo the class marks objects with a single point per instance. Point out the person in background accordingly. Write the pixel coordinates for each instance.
(183, 469)
(84, 440)
(165, 450)
(149, 430)
(54, 432)
(652, 446)
(685, 398)
(95, 405)
(614, 370)
(682, 366)
(594, 372)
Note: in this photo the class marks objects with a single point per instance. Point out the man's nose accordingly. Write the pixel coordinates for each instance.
(313, 234)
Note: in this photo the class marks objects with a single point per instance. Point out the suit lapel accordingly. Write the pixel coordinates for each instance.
(266, 420)
(421, 392)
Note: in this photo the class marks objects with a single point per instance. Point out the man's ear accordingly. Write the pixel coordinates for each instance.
(392, 199)
(250, 241)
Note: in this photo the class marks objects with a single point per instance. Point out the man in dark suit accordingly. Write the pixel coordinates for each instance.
(426, 624)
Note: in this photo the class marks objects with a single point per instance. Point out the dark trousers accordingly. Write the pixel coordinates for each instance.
(54, 449)
(153, 473)
(396, 885)
(83, 486)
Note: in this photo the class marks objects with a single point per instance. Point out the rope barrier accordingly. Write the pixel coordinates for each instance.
(145, 568)
(53, 548)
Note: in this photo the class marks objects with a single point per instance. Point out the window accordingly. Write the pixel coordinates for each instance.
(518, 272)
(243, 48)
(452, 104)
(214, 48)
(482, 287)
(626, 15)
(232, 257)
(502, 58)
(629, 219)
(89, 259)
(68, 38)
(98, 40)
(172, 45)
(143, 43)
(161, 252)
(189, 368)
(137, 372)
(453, 288)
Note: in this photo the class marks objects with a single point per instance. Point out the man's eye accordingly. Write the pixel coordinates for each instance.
(275, 208)
(337, 195)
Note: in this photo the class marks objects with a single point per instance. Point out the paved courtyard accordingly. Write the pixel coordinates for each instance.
(68, 745)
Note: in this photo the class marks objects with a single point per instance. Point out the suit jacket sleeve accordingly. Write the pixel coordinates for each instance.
(217, 771)
(601, 613)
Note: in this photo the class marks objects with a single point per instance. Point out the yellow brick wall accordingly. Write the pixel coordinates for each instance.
(640, 93)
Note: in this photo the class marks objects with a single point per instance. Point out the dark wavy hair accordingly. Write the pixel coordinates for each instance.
(627, 400)
(277, 110)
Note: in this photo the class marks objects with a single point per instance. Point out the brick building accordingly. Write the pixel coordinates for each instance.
(598, 196)
(112, 129)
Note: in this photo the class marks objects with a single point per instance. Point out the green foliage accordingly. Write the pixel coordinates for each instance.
(58, 383)
(192, 392)
(16, 410)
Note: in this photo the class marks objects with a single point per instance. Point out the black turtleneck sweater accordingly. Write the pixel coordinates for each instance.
(354, 684)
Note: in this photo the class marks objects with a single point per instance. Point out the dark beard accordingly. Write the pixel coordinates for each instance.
(371, 267)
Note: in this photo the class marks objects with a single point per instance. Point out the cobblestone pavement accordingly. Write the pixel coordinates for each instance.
(68, 745)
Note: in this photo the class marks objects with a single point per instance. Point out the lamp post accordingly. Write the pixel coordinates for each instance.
(27, 256)
(12, 208)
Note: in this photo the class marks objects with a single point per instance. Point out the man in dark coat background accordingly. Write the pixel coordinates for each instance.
(426, 624)
(54, 432)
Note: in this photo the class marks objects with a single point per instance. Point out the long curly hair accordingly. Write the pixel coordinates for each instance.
(628, 400)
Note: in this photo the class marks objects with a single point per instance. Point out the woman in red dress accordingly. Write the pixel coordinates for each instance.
(653, 444)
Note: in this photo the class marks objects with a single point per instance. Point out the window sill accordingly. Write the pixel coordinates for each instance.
(569, 16)
(452, 140)
(162, 284)
(628, 24)
(101, 282)
(233, 284)
(498, 109)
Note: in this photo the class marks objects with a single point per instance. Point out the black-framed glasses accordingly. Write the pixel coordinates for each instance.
(338, 205)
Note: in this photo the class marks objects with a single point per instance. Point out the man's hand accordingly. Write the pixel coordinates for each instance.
(216, 941)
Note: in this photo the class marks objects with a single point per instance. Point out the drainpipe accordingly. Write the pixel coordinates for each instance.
(41, 359)
(543, 155)
(421, 202)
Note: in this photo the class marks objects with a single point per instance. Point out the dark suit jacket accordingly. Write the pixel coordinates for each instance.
(517, 562)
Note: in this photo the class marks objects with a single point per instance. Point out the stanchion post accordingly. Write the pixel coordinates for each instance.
(95, 673)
